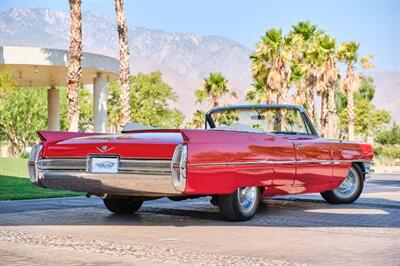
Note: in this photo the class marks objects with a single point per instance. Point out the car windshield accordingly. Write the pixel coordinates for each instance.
(278, 120)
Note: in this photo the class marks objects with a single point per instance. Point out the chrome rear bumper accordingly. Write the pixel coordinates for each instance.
(134, 178)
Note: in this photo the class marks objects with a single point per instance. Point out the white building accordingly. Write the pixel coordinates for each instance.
(43, 67)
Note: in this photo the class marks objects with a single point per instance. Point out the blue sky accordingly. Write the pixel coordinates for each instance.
(374, 24)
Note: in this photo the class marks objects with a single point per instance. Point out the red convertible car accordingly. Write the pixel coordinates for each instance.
(245, 153)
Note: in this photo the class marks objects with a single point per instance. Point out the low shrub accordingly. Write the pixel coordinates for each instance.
(388, 151)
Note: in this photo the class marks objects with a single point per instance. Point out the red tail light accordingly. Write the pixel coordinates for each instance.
(367, 151)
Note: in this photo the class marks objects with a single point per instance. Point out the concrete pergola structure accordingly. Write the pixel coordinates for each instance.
(43, 67)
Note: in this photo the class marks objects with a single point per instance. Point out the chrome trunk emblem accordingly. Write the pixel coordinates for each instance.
(104, 149)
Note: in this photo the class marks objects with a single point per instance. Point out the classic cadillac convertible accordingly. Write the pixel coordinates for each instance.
(245, 153)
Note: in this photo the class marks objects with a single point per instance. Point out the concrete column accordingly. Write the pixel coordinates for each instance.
(53, 108)
(100, 95)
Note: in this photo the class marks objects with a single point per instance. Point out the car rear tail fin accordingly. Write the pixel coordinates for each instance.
(54, 136)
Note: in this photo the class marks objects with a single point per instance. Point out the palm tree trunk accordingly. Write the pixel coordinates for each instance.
(331, 98)
(269, 98)
(331, 111)
(310, 103)
(323, 114)
(310, 92)
(74, 63)
(123, 62)
(282, 95)
(279, 97)
(299, 98)
(278, 80)
(353, 85)
(350, 110)
(270, 94)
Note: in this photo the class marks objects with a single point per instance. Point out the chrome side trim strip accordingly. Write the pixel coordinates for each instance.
(243, 163)
(279, 162)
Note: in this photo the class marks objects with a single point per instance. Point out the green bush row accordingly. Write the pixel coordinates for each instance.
(388, 151)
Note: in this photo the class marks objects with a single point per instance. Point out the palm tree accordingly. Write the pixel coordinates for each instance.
(307, 30)
(74, 63)
(198, 119)
(123, 62)
(310, 81)
(259, 93)
(214, 88)
(310, 58)
(270, 64)
(348, 53)
(297, 75)
(326, 84)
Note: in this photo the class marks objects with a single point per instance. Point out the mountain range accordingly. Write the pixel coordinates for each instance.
(183, 58)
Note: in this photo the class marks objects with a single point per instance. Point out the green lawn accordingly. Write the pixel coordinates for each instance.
(15, 183)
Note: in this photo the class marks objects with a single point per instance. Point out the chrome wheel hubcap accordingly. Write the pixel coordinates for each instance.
(349, 185)
(247, 198)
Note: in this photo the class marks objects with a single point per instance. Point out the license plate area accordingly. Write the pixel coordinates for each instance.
(103, 164)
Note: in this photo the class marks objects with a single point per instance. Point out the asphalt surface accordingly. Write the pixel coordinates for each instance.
(285, 231)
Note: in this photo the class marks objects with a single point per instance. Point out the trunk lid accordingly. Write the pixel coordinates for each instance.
(146, 144)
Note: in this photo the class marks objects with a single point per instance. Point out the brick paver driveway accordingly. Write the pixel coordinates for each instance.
(285, 231)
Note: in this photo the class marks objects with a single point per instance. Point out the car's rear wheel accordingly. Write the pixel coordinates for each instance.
(122, 205)
(240, 205)
(349, 190)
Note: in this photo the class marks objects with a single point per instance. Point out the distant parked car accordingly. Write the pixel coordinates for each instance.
(245, 153)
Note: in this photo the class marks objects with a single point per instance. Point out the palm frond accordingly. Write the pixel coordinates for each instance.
(366, 61)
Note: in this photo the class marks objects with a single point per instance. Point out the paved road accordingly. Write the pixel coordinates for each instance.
(285, 231)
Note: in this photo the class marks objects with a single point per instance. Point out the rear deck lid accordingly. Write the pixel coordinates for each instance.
(151, 144)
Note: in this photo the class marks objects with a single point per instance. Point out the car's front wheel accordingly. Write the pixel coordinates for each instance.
(122, 205)
(349, 190)
(240, 205)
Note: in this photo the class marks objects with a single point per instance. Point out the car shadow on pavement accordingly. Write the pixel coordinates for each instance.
(272, 213)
